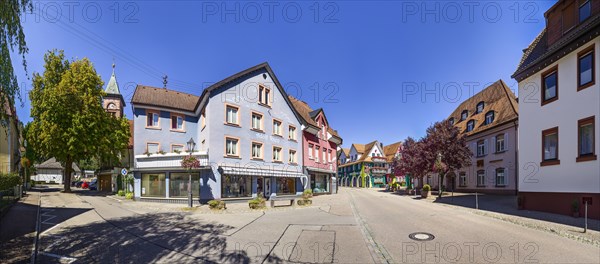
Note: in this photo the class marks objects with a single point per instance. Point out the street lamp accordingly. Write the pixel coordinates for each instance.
(191, 145)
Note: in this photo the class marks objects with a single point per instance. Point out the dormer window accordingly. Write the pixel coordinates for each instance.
(451, 121)
(470, 125)
(464, 115)
(489, 117)
(585, 11)
(480, 106)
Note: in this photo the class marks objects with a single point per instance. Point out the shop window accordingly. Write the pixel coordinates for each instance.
(235, 186)
(178, 184)
(153, 185)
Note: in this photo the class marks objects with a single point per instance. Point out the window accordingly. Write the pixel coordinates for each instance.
(257, 150)
(178, 184)
(464, 115)
(286, 185)
(470, 125)
(500, 145)
(310, 151)
(317, 154)
(481, 178)
(177, 122)
(500, 177)
(586, 139)
(152, 119)
(550, 147)
(489, 117)
(480, 148)
(324, 157)
(277, 127)
(277, 154)
(257, 121)
(235, 186)
(550, 86)
(231, 115)
(329, 156)
(231, 147)
(585, 10)
(264, 95)
(176, 148)
(292, 156)
(585, 68)
(153, 185)
(292, 133)
(203, 119)
(462, 179)
(451, 121)
(152, 148)
(480, 106)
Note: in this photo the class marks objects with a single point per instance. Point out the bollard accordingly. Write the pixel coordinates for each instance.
(585, 228)
(476, 201)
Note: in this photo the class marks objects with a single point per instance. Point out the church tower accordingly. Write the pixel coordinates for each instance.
(113, 100)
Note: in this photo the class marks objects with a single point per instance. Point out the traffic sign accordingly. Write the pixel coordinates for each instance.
(124, 172)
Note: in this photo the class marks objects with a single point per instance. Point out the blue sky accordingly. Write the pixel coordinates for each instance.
(381, 70)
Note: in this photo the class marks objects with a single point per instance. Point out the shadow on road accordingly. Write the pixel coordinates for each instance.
(507, 204)
(149, 238)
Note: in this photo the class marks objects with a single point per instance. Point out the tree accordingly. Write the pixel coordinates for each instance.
(69, 122)
(11, 37)
(413, 161)
(446, 150)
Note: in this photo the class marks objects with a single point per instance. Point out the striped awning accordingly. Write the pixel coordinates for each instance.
(260, 172)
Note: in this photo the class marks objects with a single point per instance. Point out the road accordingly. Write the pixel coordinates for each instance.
(354, 226)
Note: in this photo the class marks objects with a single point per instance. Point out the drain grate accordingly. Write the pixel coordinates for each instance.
(421, 236)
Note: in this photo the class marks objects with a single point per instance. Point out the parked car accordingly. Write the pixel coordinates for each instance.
(85, 185)
(93, 185)
(78, 184)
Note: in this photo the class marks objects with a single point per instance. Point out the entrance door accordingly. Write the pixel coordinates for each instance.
(260, 186)
(267, 187)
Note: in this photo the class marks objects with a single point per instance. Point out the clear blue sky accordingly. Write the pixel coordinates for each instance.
(369, 54)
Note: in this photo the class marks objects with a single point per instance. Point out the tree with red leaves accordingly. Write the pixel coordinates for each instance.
(413, 159)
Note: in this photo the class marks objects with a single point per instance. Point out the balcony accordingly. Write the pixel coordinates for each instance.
(379, 159)
(168, 160)
(378, 170)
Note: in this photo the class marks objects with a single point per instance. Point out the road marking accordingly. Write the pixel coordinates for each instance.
(34, 248)
(114, 199)
(69, 259)
(46, 211)
(48, 230)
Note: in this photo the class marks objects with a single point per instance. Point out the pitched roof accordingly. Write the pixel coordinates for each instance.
(496, 97)
(53, 164)
(346, 151)
(390, 150)
(112, 87)
(539, 52)
(360, 148)
(162, 97)
(309, 115)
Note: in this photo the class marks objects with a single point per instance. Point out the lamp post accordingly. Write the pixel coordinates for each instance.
(191, 145)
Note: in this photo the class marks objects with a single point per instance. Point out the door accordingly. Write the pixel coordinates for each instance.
(267, 187)
(260, 188)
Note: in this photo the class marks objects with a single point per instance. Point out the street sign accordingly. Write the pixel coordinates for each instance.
(124, 172)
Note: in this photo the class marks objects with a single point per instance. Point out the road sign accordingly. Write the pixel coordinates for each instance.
(124, 172)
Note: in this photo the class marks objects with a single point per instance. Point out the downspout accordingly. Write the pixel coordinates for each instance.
(516, 156)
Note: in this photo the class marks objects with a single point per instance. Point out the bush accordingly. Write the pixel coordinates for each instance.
(307, 194)
(426, 188)
(8, 181)
(121, 193)
(129, 195)
(257, 203)
(216, 204)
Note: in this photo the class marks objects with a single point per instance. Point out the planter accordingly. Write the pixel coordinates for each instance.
(425, 194)
(217, 205)
(303, 202)
(257, 205)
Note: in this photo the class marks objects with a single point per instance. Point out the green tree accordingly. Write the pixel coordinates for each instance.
(69, 122)
(11, 37)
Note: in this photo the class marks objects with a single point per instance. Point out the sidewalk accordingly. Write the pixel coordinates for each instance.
(17, 230)
(505, 208)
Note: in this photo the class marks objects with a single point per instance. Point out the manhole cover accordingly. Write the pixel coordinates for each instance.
(421, 236)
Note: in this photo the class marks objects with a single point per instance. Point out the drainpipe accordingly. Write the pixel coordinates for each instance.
(516, 140)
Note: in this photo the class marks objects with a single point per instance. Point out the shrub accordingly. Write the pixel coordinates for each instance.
(8, 181)
(307, 194)
(121, 193)
(403, 184)
(129, 195)
(426, 188)
(216, 204)
(257, 203)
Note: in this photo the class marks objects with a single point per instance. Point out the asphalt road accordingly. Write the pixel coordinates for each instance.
(354, 226)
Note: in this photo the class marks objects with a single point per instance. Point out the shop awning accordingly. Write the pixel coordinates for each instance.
(261, 172)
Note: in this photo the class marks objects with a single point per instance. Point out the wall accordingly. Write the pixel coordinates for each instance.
(164, 136)
(569, 176)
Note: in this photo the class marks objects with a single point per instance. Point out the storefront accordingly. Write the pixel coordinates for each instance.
(169, 185)
(378, 181)
(237, 182)
(321, 181)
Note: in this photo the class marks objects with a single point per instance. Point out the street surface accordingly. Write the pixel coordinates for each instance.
(353, 226)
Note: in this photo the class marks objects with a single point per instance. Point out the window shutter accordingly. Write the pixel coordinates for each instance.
(485, 146)
(493, 145)
(506, 141)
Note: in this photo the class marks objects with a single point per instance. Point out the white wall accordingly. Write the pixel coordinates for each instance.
(571, 106)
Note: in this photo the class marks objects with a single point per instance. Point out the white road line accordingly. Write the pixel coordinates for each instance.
(47, 230)
(114, 199)
(69, 259)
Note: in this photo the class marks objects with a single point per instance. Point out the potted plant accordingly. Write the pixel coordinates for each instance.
(257, 203)
(217, 204)
(306, 195)
(575, 208)
(425, 191)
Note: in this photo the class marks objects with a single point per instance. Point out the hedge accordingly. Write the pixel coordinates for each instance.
(8, 181)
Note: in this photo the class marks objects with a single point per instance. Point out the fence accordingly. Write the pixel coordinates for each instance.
(9, 197)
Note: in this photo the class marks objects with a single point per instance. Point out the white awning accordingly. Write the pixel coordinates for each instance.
(261, 172)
